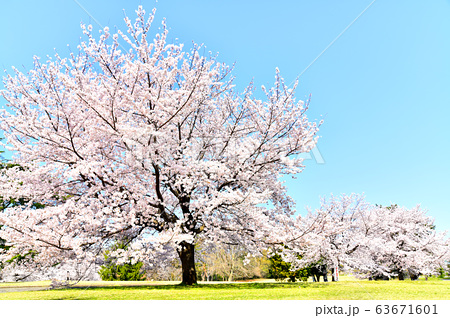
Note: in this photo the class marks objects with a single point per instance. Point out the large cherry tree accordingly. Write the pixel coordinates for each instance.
(148, 142)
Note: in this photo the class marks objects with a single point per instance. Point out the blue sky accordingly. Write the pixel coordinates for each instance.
(383, 87)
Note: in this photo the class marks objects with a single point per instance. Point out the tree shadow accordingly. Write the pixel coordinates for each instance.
(211, 286)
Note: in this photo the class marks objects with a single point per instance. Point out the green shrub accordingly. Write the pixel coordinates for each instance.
(110, 270)
(442, 272)
(281, 270)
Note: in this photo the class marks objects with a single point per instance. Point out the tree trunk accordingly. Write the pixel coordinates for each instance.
(186, 253)
(230, 278)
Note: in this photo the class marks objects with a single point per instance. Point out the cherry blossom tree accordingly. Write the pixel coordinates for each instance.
(336, 238)
(370, 240)
(151, 142)
(405, 240)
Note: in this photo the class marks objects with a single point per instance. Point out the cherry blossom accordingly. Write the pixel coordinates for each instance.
(152, 142)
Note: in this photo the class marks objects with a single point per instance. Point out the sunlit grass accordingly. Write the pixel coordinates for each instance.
(348, 289)
(44, 283)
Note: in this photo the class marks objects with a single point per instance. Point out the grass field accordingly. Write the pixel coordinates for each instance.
(347, 289)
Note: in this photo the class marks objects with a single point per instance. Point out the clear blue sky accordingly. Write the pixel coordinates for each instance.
(383, 87)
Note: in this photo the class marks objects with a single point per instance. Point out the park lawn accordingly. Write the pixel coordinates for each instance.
(342, 290)
(43, 283)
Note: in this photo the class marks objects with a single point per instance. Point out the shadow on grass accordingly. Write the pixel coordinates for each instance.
(221, 286)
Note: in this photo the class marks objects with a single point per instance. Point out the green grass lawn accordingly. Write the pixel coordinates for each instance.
(349, 289)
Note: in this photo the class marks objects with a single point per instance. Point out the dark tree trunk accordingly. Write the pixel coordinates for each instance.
(186, 253)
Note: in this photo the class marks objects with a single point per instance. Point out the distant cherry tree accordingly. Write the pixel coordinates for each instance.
(405, 241)
(371, 240)
(151, 142)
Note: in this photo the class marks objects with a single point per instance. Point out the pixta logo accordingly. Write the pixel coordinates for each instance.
(314, 154)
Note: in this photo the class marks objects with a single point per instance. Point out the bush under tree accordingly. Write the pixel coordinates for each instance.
(282, 270)
(112, 270)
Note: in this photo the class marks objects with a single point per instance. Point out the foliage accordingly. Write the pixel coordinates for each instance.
(444, 271)
(7, 202)
(281, 270)
(18, 259)
(127, 271)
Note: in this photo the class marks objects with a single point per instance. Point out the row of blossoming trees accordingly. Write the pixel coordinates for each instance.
(152, 143)
(371, 241)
